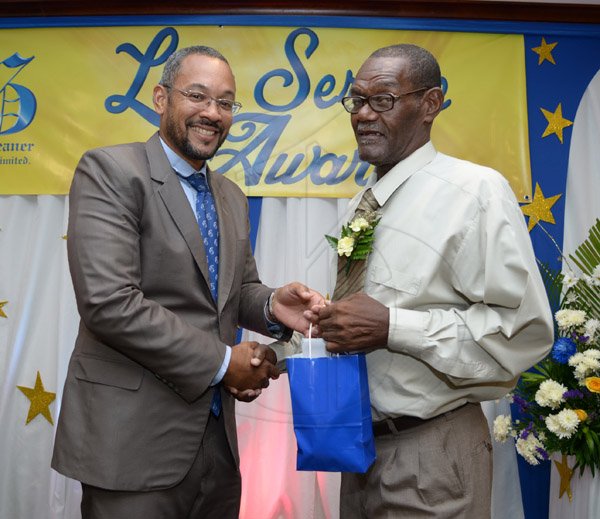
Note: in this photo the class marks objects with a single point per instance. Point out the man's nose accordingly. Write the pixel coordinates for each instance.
(211, 109)
(366, 113)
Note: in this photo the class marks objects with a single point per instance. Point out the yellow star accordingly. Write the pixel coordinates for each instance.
(539, 209)
(40, 400)
(2, 314)
(556, 122)
(545, 51)
(566, 474)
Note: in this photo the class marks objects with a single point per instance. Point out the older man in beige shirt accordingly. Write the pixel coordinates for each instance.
(452, 308)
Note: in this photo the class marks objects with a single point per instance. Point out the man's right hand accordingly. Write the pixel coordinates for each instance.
(251, 366)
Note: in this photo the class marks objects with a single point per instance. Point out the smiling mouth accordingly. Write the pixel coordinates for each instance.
(203, 132)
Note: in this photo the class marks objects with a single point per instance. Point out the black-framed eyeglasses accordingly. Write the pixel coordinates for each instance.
(203, 100)
(378, 102)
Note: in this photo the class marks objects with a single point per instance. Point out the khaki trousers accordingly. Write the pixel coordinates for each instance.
(441, 469)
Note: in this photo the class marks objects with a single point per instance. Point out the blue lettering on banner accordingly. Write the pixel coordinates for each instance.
(324, 87)
(18, 102)
(116, 104)
(258, 133)
(447, 102)
(265, 138)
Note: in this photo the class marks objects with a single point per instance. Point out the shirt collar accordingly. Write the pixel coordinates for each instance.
(384, 188)
(181, 166)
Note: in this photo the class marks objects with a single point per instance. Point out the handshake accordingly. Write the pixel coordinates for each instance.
(252, 365)
(355, 323)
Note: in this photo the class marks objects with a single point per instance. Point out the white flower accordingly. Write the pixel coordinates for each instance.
(585, 363)
(571, 298)
(594, 279)
(567, 318)
(591, 328)
(550, 394)
(359, 224)
(345, 246)
(563, 424)
(530, 448)
(502, 428)
(569, 279)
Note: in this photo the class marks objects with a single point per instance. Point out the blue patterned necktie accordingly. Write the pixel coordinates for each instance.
(209, 227)
(208, 223)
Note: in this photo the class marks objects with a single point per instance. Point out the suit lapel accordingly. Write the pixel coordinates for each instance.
(227, 240)
(170, 191)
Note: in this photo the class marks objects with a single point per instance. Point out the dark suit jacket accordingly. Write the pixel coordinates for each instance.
(137, 397)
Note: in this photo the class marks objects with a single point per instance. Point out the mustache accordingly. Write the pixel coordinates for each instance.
(206, 122)
(368, 128)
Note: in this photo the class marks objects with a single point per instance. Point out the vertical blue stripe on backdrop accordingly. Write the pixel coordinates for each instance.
(577, 60)
(254, 208)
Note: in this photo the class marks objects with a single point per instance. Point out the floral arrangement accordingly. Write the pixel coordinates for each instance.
(559, 400)
(356, 238)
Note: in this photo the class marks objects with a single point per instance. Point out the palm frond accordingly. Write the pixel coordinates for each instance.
(553, 282)
(587, 258)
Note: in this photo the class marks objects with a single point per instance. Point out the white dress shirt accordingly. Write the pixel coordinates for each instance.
(454, 264)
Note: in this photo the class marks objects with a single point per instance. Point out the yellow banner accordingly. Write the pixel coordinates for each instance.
(65, 90)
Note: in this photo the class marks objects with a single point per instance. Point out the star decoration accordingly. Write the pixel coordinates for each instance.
(2, 314)
(566, 473)
(556, 122)
(545, 51)
(539, 209)
(40, 400)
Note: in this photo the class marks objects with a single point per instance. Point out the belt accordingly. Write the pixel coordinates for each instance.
(402, 423)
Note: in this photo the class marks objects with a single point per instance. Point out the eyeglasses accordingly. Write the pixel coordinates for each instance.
(203, 100)
(378, 102)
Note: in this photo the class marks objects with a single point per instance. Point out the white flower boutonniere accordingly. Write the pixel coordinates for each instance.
(356, 239)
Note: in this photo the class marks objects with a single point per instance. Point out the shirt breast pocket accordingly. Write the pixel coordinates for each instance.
(386, 280)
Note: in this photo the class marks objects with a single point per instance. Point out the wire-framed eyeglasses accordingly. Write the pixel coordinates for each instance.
(203, 100)
(378, 102)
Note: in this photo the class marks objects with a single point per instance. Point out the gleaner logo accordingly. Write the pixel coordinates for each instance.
(17, 103)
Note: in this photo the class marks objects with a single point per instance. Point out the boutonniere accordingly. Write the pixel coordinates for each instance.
(356, 238)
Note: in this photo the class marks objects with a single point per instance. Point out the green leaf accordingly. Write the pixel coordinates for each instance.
(530, 377)
(587, 257)
(332, 241)
(589, 440)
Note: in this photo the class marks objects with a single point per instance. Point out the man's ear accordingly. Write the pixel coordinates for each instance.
(160, 99)
(433, 101)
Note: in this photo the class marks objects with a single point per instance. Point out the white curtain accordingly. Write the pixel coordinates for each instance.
(582, 207)
(38, 333)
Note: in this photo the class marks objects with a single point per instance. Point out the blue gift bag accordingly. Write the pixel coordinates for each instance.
(332, 413)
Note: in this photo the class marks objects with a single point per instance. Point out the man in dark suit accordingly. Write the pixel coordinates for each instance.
(163, 275)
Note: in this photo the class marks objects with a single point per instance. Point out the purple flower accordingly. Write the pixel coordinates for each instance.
(573, 393)
(527, 431)
(563, 349)
(522, 404)
(543, 453)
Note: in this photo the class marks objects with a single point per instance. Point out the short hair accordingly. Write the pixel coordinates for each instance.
(424, 69)
(173, 63)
